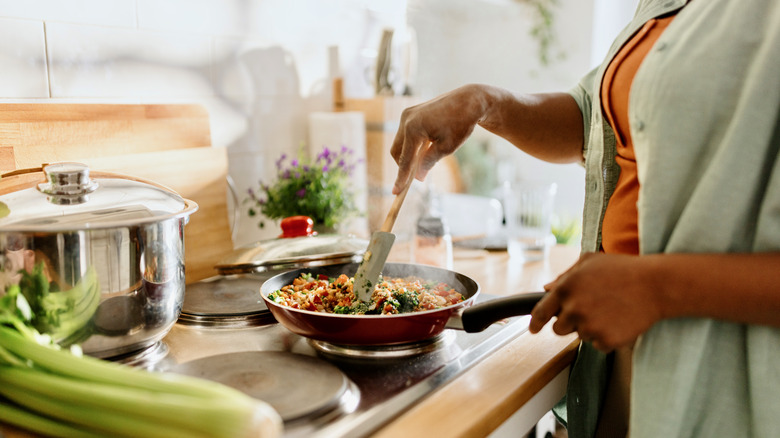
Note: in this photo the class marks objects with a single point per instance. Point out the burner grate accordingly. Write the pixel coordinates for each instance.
(299, 388)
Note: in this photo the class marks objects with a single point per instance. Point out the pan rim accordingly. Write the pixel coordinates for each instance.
(465, 303)
(449, 309)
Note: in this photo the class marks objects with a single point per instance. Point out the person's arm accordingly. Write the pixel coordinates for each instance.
(546, 126)
(612, 299)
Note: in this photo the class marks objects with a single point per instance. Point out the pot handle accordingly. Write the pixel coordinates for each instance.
(479, 317)
(23, 171)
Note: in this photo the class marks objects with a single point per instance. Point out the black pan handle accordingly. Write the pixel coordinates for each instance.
(480, 316)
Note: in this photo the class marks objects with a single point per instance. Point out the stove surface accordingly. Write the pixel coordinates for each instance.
(357, 391)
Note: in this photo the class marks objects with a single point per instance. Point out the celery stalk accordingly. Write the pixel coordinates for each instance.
(102, 424)
(109, 398)
(33, 422)
(97, 370)
(195, 414)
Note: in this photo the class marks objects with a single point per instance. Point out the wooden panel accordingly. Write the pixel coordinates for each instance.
(43, 133)
(166, 144)
(7, 160)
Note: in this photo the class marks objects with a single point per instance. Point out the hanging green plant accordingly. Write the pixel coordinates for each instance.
(543, 27)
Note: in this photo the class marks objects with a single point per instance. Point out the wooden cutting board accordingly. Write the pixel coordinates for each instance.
(167, 144)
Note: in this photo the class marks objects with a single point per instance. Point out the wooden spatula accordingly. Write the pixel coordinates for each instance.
(382, 241)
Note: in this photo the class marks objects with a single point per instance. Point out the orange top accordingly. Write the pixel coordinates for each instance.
(620, 233)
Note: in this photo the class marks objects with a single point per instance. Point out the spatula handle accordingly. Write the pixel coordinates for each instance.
(392, 215)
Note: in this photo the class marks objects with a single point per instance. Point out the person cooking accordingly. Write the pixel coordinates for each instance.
(677, 293)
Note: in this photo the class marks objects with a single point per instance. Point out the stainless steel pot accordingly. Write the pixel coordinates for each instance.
(100, 258)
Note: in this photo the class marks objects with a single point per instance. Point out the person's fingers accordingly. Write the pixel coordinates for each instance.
(405, 160)
(543, 312)
(564, 325)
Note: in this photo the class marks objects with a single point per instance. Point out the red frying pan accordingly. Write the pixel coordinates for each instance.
(401, 328)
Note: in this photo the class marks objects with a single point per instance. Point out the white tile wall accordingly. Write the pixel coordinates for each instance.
(95, 61)
(101, 12)
(23, 57)
(260, 66)
(212, 17)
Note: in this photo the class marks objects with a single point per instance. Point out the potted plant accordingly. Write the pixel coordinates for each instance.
(318, 188)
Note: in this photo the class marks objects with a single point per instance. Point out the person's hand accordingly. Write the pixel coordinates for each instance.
(605, 298)
(445, 122)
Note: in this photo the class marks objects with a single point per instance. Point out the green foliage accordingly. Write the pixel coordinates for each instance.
(542, 29)
(319, 189)
(567, 232)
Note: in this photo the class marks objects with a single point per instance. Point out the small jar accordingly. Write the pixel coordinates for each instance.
(432, 239)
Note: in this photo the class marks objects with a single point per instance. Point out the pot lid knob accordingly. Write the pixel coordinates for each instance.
(67, 183)
(297, 226)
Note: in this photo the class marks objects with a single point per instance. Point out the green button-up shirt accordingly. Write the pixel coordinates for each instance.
(703, 115)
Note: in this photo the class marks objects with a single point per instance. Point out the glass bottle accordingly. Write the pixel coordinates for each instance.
(432, 240)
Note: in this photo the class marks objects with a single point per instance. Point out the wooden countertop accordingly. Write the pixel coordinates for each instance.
(488, 394)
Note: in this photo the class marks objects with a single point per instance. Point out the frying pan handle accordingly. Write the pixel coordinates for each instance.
(477, 318)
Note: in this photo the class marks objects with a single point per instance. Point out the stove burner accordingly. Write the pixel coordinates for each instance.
(298, 387)
(230, 301)
(410, 349)
(227, 321)
(146, 357)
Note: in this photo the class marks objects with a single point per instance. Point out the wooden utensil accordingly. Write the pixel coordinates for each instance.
(382, 241)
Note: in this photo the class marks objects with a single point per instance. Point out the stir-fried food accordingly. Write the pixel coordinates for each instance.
(391, 295)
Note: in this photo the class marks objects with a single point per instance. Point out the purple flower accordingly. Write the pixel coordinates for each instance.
(325, 168)
(280, 160)
(301, 193)
(294, 163)
(286, 174)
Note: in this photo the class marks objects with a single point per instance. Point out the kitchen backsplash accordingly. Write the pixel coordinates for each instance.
(261, 66)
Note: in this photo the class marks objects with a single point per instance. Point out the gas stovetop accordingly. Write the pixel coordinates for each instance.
(322, 389)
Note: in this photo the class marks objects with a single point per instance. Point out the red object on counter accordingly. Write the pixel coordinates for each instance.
(297, 226)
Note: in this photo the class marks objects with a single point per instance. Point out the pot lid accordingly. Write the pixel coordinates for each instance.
(298, 247)
(63, 196)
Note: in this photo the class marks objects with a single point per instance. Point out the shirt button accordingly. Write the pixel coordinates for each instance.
(639, 125)
(661, 46)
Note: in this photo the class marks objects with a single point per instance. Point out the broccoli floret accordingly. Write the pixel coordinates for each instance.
(359, 308)
(407, 301)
